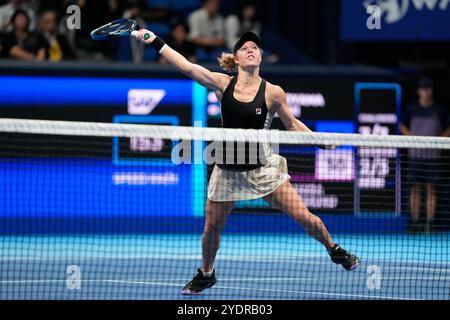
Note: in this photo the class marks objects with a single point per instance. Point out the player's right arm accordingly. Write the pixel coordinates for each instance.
(212, 80)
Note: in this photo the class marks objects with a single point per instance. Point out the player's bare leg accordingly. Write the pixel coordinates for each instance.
(287, 199)
(216, 217)
(431, 206)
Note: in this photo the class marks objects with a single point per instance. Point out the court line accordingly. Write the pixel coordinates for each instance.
(323, 293)
(227, 258)
(440, 267)
(398, 268)
(268, 279)
(157, 283)
(277, 290)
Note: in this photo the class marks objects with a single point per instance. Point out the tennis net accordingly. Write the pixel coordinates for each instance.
(116, 211)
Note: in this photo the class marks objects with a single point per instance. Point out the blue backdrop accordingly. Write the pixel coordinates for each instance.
(65, 187)
(400, 20)
(71, 187)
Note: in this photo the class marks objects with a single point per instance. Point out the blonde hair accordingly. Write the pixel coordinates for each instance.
(227, 61)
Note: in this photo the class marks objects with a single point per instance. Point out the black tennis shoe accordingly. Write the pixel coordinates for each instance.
(340, 256)
(199, 283)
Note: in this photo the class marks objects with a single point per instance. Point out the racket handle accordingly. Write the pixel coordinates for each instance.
(134, 33)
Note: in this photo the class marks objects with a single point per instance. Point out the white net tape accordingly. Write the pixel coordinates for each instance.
(95, 129)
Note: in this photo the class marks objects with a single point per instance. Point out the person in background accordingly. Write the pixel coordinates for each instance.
(156, 11)
(117, 8)
(243, 21)
(179, 41)
(96, 13)
(246, 20)
(128, 9)
(424, 118)
(207, 30)
(58, 6)
(20, 43)
(7, 11)
(57, 47)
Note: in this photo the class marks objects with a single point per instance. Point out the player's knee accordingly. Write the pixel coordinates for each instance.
(213, 227)
(307, 218)
(301, 217)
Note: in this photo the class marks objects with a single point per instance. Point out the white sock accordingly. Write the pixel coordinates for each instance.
(208, 274)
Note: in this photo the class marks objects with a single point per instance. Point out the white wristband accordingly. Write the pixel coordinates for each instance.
(162, 49)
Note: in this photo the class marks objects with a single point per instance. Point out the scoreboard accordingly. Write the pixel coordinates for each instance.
(377, 112)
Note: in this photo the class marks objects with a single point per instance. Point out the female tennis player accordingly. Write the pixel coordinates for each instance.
(248, 102)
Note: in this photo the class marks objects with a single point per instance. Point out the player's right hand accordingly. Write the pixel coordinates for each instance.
(144, 35)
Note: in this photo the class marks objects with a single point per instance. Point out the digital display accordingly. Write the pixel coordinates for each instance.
(94, 99)
(60, 187)
(377, 109)
(125, 174)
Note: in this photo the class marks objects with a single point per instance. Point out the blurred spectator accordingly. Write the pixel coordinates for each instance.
(57, 47)
(207, 29)
(116, 8)
(96, 13)
(178, 40)
(244, 20)
(156, 11)
(20, 43)
(55, 5)
(7, 10)
(134, 9)
(424, 118)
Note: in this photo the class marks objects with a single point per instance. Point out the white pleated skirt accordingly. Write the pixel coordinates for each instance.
(230, 185)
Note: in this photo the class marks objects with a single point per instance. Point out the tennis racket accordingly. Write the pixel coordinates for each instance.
(116, 29)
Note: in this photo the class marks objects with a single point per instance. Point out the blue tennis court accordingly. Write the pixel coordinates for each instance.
(76, 225)
(249, 266)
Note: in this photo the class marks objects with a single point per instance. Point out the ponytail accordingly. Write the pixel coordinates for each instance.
(227, 61)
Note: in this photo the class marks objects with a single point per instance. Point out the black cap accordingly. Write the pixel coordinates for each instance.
(425, 83)
(247, 36)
